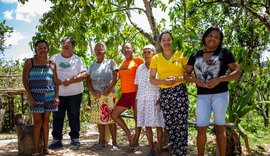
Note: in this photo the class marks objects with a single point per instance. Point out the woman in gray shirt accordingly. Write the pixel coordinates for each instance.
(103, 75)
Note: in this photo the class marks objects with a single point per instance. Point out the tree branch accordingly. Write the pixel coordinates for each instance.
(152, 22)
(264, 19)
(125, 9)
(139, 29)
(149, 14)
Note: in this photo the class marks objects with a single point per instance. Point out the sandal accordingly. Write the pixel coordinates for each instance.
(135, 147)
(48, 152)
(115, 146)
(99, 146)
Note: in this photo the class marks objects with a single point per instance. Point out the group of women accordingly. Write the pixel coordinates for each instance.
(154, 88)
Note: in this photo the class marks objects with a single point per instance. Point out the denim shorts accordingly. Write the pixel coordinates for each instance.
(206, 103)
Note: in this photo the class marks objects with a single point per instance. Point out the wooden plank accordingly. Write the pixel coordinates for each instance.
(194, 123)
(12, 91)
(227, 124)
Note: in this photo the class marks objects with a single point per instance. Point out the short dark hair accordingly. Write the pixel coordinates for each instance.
(72, 40)
(40, 41)
(165, 32)
(207, 32)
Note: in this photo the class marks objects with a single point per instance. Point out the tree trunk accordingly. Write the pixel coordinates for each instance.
(25, 139)
(233, 143)
(25, 136)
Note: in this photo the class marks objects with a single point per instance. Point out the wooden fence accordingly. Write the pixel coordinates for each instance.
(12, 99)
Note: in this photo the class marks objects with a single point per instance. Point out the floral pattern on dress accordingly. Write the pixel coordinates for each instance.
(101, 108)
(147, 111)
(105, 112)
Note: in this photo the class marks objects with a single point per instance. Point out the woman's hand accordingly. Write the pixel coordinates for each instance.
(59, 82)
(106, 92)
(170, 80)
(200, 83)
(66, 82)
(31, 101)
(56, 101)
(158, 105)
(86, 107)
(212, 83)
(96, 94)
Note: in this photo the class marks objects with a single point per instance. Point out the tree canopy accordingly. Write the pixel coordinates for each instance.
(4, 33)
(244, 23)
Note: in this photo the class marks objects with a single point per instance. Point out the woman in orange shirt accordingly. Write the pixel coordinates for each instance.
(127, 72)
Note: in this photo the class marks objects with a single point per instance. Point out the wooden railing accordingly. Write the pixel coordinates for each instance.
(8, 103)
(12, 99)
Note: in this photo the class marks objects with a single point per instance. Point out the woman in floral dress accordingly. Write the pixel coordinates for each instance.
(148, 112)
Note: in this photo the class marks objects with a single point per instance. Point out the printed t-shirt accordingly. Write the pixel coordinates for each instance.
(66, 69)
(215, 67)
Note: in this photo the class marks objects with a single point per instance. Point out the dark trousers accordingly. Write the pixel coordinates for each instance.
(174, 105)
(71, 105)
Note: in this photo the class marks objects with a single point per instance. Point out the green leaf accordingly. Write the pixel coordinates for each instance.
(245, 98)
(264, 102)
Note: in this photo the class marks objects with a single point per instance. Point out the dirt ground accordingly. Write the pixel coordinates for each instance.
(9, 146)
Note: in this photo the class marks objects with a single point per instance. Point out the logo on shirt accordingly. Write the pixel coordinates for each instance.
(123, 68)
(175, 61)
(64, 65)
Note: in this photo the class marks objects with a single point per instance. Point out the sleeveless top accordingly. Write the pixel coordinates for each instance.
(42, 87)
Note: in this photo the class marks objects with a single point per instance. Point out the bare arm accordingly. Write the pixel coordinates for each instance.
(169, 81)
(189, 78)
(235, 73)
(113, 83)
(90, 87)
(75, 79)
(25, 79)
(153, 80)
(56, 82)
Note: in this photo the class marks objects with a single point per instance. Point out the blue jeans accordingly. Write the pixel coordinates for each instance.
(71, 105)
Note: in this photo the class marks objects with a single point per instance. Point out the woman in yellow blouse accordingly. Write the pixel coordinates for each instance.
(166, 71)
